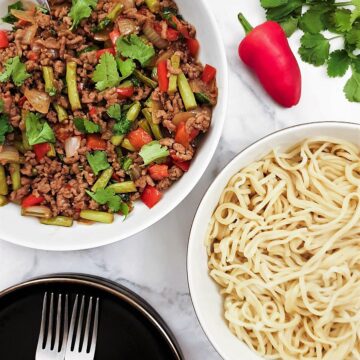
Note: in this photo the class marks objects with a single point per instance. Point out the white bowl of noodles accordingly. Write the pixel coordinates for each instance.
(284, 248)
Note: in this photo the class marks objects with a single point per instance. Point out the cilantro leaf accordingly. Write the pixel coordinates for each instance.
(340, 20)
(281, 12)
(339, 62)
(268, 4)
(81, 9)
(37, 130)
(352, 37)
(153, 151)
(123, 126)
(10, 18)
(86, 126)
(312, 21)
(98, 161)
(114, 203)
(15, 69)
(352, 87)
(1, 106)
(5, 127)
(108, 197)
(114, 111)
(133, 47)
(356, 12)
(314, 49)
(290, 25)
(126, 68)
(106, 74)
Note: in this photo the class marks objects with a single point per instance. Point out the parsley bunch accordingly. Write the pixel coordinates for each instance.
(317, 19)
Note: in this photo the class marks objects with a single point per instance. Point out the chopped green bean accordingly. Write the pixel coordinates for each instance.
(115, 11)
(3, 200)
(103, 180)
(61, 113)
(146, 80)
(126, 144)
(175, 63)
(134, 111)
(15, 176)
(48, 74)
(123, 187)
(73, 93)
(153, 5)
(155, 128)
(186, 93)
(97, 216)
(4, 189)
(58, 221)
(116, 140)
(145, 126)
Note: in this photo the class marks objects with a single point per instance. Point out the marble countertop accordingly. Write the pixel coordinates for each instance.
(153, 263)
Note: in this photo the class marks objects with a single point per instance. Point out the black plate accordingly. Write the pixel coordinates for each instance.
(129, 328)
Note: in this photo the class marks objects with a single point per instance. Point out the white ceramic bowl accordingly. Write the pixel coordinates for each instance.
(28, 232)
(204, 292)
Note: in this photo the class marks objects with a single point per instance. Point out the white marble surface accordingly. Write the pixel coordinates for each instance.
(153, 263)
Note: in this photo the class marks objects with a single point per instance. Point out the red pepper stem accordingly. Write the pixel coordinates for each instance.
(245, 24)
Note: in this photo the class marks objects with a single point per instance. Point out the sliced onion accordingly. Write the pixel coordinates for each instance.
(127, 26)
(153, 36)
(37, 211)
(72, 145)
(23, 15)
(182, 116)
(128, 4)
(39, 100)
(9, 154)
(165, 55)
(29, 34)
(102, 36)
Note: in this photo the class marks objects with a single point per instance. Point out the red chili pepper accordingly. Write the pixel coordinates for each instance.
(183, 165)
(162, 73)
(208, 74)
(41, 150)
(99, 53)
(138, 138)
(180, 27)
(151, 196)
(95, 142)
(183, 137)
(32, 200)
(266, 51)
(32, 55)
(4, 41)
(22, 101)
(125, 92)
(159, 172)
(193, 46)
(114, 35)
(172, 34)
(92, 112)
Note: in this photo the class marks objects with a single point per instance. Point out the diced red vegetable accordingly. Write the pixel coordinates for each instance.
(183, 137)
(159, 172)
(62, 133)
(183, 165)
(208, 74)
(125, 92)
(172, 34)
(95, 142)
(151, 196)
(114, 35)
(32, 200)
(22, 101)
(92, 111)
(138, 138)
(180, 27)
(99, 53)
(4, 41)
(162, 73)
(193, 46)
(32, 55)
(41, 150)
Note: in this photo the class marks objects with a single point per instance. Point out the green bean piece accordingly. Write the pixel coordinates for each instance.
(153, 5)
(149, 102)
(15, 176)
(154, 74)
(127, 162)
(134, 111)
(58, 221)
(146, 80)
(4, 189)
(123, 187)
(115, 11)
(145, 126)
(97, 216)
(73, 93)
(155, 128)
(61, 113)
(103, 180)
(175, 63)
(3, 200)
(48, 74)
(126, 144)
(116, 140)
(186, 93)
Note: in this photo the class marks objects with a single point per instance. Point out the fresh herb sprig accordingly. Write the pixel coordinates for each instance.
(314, 17)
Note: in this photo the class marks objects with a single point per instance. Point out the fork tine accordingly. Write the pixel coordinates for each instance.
(95, 329)
(80, 324)
(42, 326)
(51, 320)
(66, 324)
(72, 324)
(87, 327)
(58, 324)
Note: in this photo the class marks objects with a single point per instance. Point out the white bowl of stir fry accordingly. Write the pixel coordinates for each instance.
(110, 113)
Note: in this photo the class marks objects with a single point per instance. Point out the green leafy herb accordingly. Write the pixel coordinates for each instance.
(86, 126)
(81, 9)
(290, 25)
(352, 37)
(338, 63)
(153, 151)
(9, 18)
(2, 106)
(114, 111)
(97, 161)
(38, 131)
(268, 4)
(126, 163)
(352, 87)
(5, 127)
(341, 20)
(15, 70)
(312, 21)
(356, 12)
(282, 12)
(126, 68)
(314, 49)
(123, 126)
(135, 48)
(109, 198)
(106, 74)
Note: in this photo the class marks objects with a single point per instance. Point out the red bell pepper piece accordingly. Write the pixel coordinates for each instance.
(4, 41)
(183, 165)
(114, 35)
(172, 34)
(32, 55)
(208, 74)
(180, 27)
(183, 137)
(32, 200)
(41, 150)
(163, 76)
(92, 112)
(95, 142)
(266, 51)
(99, 53)
(125, 92)
(159, 172)
(151, 196)
(138, 138)
(193, 46)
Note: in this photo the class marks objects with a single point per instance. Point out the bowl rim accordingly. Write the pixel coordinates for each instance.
(191, 239)
(127, 233)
